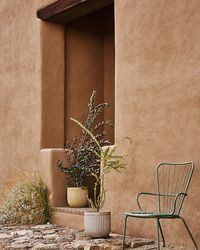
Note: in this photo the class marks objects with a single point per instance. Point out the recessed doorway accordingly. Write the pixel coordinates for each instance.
(89, 65)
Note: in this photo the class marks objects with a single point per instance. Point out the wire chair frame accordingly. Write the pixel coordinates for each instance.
(172, 180)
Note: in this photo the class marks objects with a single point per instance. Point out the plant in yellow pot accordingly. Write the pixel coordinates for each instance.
(81, 156)
(98, 224)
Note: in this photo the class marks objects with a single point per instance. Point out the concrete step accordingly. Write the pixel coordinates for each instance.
(69, 217)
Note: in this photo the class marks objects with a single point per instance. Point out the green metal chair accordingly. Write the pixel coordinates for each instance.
(173, 180)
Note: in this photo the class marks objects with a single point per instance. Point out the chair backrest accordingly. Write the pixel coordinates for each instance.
(173, 179)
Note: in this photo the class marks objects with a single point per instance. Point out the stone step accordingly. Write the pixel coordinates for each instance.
(69, 217)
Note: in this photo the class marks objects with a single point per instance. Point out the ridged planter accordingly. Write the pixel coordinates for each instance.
(97, 224)
(77, 196)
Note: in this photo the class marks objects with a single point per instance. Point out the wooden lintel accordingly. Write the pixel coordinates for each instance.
(63, 11)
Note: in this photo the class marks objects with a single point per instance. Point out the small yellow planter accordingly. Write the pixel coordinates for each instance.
(77, 196)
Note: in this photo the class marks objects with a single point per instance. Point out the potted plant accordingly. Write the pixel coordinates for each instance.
(80, 154)
(98, 224)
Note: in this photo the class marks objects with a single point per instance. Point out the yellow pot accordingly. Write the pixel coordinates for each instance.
(77, 196)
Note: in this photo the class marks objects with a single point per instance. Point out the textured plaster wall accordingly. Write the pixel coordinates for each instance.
(89, 66)
(157, 99)
(157, 103)
(20, 95)
(84, 68)
(52, 85)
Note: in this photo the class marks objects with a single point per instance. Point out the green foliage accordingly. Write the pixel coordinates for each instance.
(80, 154)
(26, 204)
(109, 161)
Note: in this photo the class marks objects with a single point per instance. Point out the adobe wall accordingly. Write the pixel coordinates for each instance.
(157, 104)
(21, 90)
(156, 98)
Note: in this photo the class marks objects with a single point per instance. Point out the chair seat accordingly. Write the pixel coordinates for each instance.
(150, 214)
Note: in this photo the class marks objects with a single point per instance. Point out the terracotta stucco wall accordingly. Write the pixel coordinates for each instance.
(156, 97)
(20, 94)
(157, 104)
(89, 66)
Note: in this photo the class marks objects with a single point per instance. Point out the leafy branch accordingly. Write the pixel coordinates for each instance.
(109, 161)
(81, 154)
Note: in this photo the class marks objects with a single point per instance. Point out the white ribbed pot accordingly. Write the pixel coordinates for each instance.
(77, 196)
(97, 224)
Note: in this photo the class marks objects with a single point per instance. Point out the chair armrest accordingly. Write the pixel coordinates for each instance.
(175, 201)
(156, 194)
(143, 193)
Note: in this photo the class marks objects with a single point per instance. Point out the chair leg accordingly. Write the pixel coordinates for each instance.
(124, 232)
(158, 234)
(162, 235)
(189, 232)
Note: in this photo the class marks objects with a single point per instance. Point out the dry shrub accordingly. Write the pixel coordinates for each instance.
(26, 204)
(12, 178)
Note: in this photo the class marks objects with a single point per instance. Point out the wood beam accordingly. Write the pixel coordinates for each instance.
(63, 11)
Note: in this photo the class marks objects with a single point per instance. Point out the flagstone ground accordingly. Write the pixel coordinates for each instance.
(48, 236)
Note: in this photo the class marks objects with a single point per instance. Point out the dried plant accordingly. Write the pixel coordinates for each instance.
(26, 204)
(80, 153)
(109, 161)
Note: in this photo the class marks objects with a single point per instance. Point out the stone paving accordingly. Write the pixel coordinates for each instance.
(48, 236)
